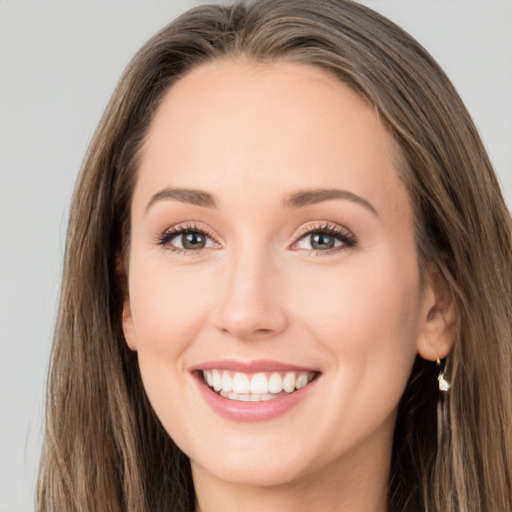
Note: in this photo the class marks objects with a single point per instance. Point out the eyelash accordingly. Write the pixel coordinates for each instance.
(181, 229)
(345, 236)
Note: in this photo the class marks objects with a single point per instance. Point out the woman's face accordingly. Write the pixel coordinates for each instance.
(272, 246)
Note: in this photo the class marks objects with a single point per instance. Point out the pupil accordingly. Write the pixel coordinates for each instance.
(193, 241)
(322, 241)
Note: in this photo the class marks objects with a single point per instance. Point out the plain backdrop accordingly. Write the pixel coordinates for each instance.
(59, 62)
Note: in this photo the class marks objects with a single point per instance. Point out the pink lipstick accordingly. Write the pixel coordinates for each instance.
(253, 391)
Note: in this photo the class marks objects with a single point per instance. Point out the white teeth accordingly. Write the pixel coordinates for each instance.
(302, 380)
(241, 383)
(275, 383)
(217, 380)
(260, 386)
(289, 382)
(227, 382)
(247, 398)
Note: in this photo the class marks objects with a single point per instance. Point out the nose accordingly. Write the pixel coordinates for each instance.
(252, 306)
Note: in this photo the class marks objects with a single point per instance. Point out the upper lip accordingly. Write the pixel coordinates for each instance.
(250, 366)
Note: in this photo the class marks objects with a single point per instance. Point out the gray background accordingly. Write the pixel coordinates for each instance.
(59, 62)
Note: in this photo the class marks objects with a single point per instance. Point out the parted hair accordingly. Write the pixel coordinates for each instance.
(105, 449)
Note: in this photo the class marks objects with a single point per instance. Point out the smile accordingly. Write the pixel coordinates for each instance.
(256, 387)
(248, 391)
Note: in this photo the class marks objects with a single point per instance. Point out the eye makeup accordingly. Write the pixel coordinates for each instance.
(319, 238)
(324, 238)
(187, 239)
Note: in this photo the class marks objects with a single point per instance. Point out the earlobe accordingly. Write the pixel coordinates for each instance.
(126, 315)
(439, 317)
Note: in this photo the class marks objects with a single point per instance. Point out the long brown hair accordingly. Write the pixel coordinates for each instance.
(105, 450)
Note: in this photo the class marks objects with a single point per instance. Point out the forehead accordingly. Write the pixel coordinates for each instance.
(280, 124)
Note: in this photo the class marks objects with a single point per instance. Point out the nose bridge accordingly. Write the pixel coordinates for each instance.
(251, 305)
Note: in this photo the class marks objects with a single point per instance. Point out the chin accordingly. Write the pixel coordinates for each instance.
(261, 459)
(244, 472)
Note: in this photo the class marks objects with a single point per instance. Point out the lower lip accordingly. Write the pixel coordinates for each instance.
(237, 410)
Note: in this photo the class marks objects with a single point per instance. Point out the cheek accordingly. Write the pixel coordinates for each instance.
(168, 308)
(365, 315)
(167, 305)
(365, 320)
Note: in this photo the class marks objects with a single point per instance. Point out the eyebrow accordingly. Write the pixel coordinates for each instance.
(296, 200)
(307, 197)
(184, 195)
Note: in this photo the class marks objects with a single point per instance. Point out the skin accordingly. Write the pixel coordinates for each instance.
(251, 135)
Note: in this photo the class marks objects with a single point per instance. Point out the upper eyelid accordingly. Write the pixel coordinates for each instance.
(319, 226)
(186, 227)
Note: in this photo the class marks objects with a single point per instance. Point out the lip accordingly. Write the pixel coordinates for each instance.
(250, 366)
(240, 411)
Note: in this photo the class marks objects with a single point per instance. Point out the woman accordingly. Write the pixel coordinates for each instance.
(287, 279)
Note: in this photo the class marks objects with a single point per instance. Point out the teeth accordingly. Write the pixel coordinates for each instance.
(241, 383)
(217, 380)
(227, 382)
(247, 398)
(302, 380)
(289, 382)
(254, 388)
(275, 383)
(259, 384)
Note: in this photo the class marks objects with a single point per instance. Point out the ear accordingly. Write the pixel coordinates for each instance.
(439, 324)
(126, 315)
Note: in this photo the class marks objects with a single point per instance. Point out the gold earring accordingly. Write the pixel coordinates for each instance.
(444, 385)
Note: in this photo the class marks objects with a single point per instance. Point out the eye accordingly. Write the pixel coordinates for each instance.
(190, 240)
(325, 238)
(186, 239)
(319, 242)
